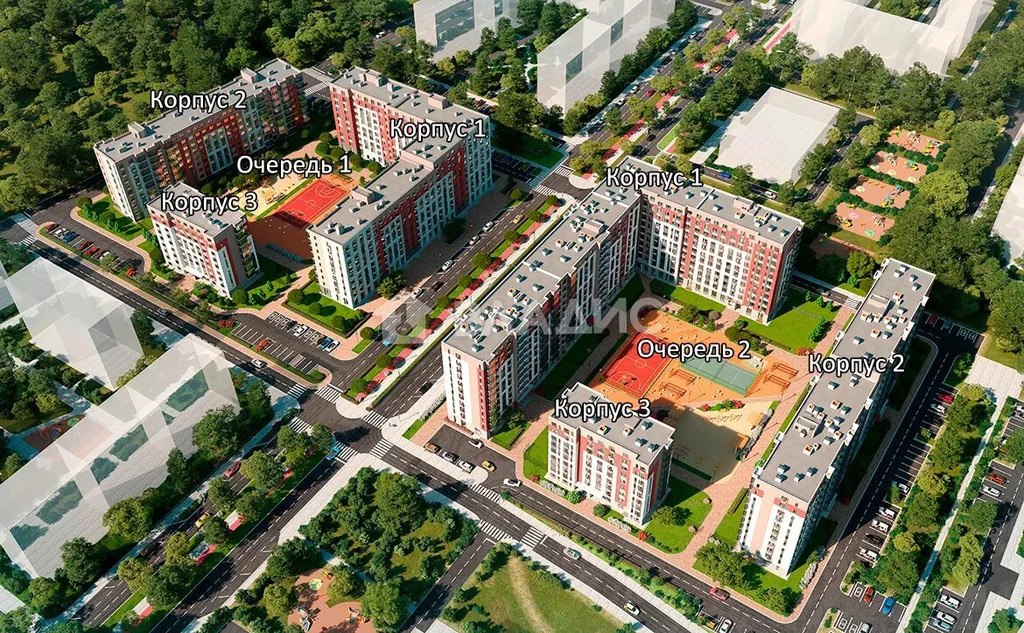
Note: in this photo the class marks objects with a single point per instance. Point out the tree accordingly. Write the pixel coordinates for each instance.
(815, 161)
(240, 296)
(250, 504)
(47, 595)
(1007, 320)
(135, 573)
(385, 604)
(918, 96)
(967, 569)
(322, 437)
(897, 572)
(905, 542)
(166, 587)
(215, 433)
(263, 470)
(179, 473)
(922, 513)
(176, 550)
(946, 192)
(215, 530)
(971, 150)
(399, 505)
(278, 600)
(292, 557)
(721, 563)
(196, 65)
(742, 179)
(345, 584)
(81, 563)
(614, 121)
(774, 599)
(220, 494)
(980, 517)
(788, 58)
(860, 265)
(129, 518)
(932, 483)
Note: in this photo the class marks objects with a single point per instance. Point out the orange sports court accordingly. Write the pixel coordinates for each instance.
(284, 229)
(690, 395)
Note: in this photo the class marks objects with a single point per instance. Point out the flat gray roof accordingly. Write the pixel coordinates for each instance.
(142, 137)
(209, 221)
(640, 436)
(418, 104)
(511, 304)
(829, 416)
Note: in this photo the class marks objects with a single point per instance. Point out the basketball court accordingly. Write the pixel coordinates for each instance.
(632, 374)
(284, 230)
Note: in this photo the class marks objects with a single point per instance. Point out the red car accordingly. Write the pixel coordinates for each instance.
(869, 593)
(719, 594)
(931, 319)
(945, 398)
(232, 470)
(999, 479)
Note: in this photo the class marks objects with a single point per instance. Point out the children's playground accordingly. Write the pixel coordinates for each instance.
(898, 167)
(715, 404)
(314, 613)
(861, 221)
(915, 141)
(880, 193)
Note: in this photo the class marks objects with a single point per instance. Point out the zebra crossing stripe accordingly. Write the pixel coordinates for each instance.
(493, 531)
(301, 426)
(329, 392)
(375, 419)
(493, 495)
(533, 538)
(297, 391)
(381, 449)
(345, 452)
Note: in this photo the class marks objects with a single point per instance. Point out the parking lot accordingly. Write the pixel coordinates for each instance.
(945, 325)
(282, 346)
(87, 248)
(512, 166)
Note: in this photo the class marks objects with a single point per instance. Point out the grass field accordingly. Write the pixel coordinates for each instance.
(682, 295)
(959, 370)
(535, 461)
(674, 538)
(325, 310)
(520, 599)
(411, 431)
(728, 530)
(529, 148)
(558, 378)
(508, 437)
(120, 225)
(792, 328)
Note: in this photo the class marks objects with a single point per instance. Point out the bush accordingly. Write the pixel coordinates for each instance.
(295, 296)
(368, 333)
(601, 510)
(240, 296)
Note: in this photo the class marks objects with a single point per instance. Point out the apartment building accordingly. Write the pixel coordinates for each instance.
(711, 242)
(624, 463)
(383, 224)
(451, 26)
(191, 145)
(797, 484)
(214, 247)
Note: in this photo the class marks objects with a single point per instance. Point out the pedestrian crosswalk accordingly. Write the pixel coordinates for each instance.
(301, 426)
(563, 170)
(24, 222)
(345, 452)
(545, 190)
(27, 241)
(375, 419)
(381, 449)
(298, 391)
(493, 531)
(533, 538)
(329, 392)
(486, 492)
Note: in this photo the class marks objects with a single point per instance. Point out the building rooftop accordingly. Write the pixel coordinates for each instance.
(1009, 224)
(211, 222)
(418, 104)
(642, 437)
(141, 137)
(776, 134)
(829, 415)
(517, 299)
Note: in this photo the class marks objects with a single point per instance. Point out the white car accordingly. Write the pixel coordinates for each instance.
(945, 617)
(881, 527)
(631, 609)
(466, 466)
(887, 512)
(475, 443)
(726, 626)
(259, 364)
(512, 483)
(869, 554)
(990, 491)
(488, 227)
(448, 264)
(333, 346)
(950, 601)
(571, 553)
(474, 240)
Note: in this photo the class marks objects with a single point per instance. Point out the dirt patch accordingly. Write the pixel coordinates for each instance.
(520, 587)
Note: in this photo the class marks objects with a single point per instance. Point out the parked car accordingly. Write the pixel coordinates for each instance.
(726, 626)
(880, 526)
(466, 466)
(449, 457)
(945, 398)
(431, 447)
(931, 320)
(869, 594)
(945, 617)
(875, 540)
(990, 491)
(333, 346)
(512, 483)
(865, 628)
(869, 554)
(719, 594)
(996, 477)
(950, 601)
(887, 606)
(475, 443)
(942, 626)
(887, 512)
(571, 553)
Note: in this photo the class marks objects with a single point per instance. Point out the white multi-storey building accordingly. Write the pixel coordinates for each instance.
(451, 26)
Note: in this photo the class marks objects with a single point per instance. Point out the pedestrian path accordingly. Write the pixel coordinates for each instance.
(381, 449)
(298, 391)
(494, 532)
(533, 538)
(493, 495)
(329, 392)
(301, 426)
(375, 419)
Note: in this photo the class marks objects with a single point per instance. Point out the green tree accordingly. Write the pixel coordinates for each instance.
(47, 595)
(278, 600)
(176, 550)
(179, 473)
(721, 563)
(897, 572)
(742, 180)
(399, 505)
(215, 433)
(129, 518)
(345, 584)
(860, 265)
(385, 604)
(774, 599)
(922, 513)
(980, 517)
(322, 437)
(946, 192)
(82, 565)
(215, 530)
(134, 572)
(905, 542)
(262, 470)
(220, 494)
(166, 587)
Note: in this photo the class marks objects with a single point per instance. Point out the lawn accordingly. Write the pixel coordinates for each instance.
(120, 225)
(632, 291)
(341, 319)
(857, 240)
(520, 599)
(559, 376)
(916, 357)
(508, 437)
(792, 328)
(529, 148)
(695, 506)
(682, 295)
(416, 426)
(535, 460)
(274, 279)
(361, 345)
(958, 372)
(991, 351)
(728, 531)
